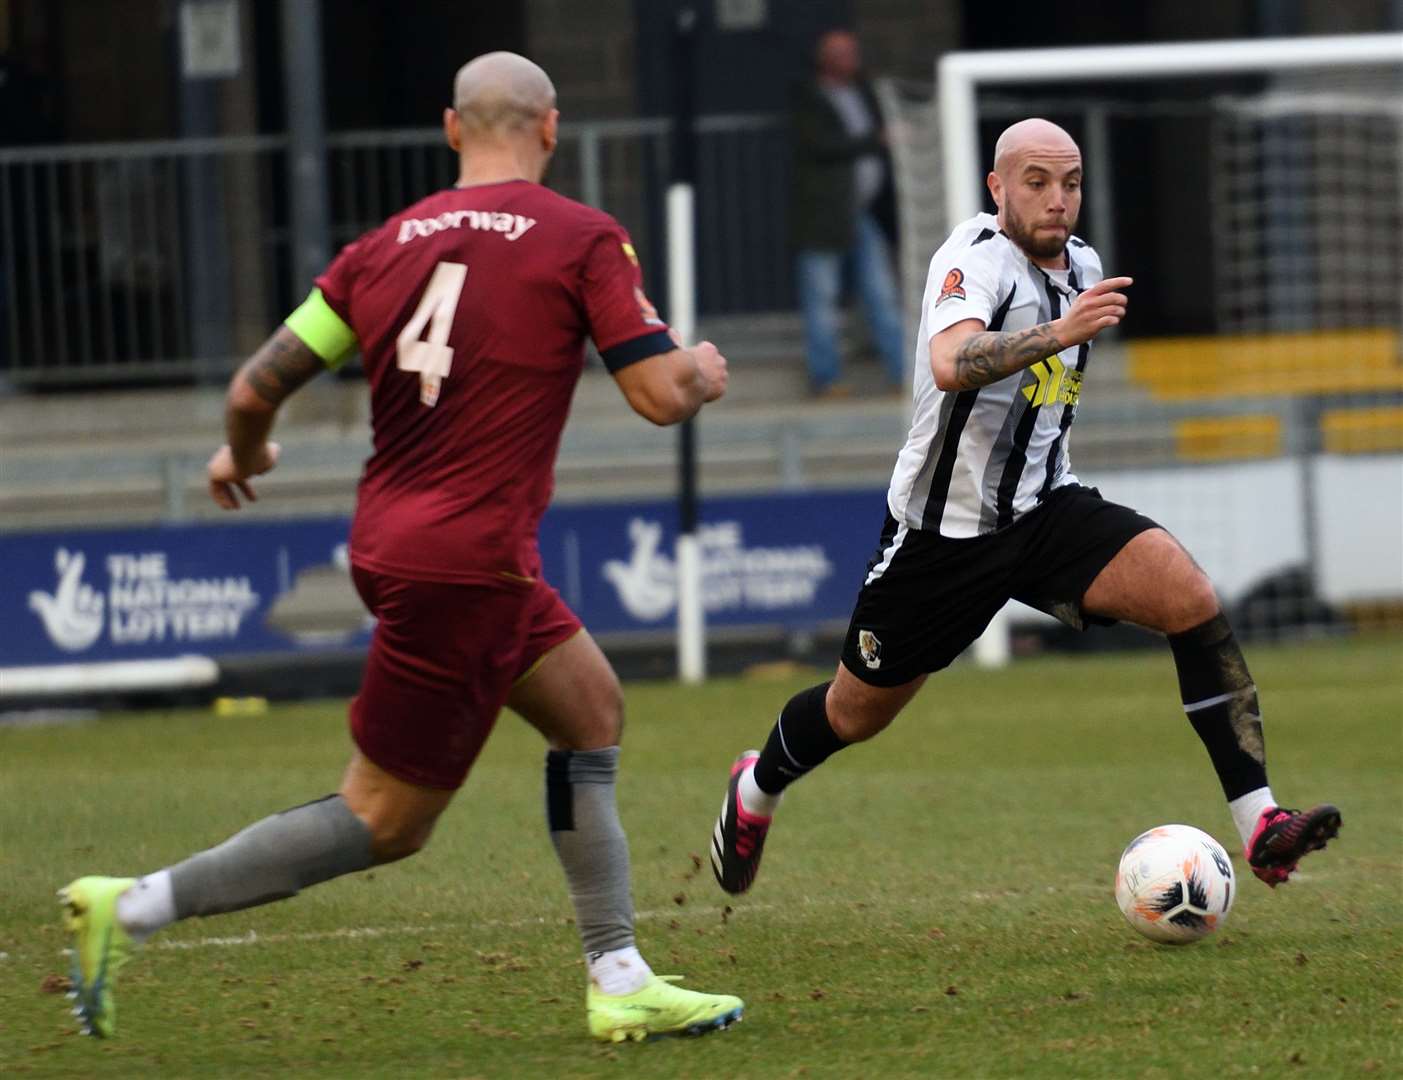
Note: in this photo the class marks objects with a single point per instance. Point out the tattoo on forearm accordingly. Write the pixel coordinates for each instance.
(988, 357)
(281, 365)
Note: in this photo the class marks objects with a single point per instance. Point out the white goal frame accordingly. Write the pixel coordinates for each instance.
(959, 76)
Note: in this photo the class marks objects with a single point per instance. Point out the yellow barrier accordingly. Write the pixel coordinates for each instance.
(1227, 438)
(1267, 365)
(1362, 431)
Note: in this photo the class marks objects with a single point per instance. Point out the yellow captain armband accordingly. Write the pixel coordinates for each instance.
(322, 330)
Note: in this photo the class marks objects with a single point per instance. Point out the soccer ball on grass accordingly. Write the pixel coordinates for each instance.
(1175, 884)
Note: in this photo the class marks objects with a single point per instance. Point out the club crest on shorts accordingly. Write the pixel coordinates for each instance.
(869, 647)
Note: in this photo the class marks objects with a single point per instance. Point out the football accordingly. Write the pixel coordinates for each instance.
(1175, 884)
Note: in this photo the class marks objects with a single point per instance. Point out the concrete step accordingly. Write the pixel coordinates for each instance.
(139, 455)
(766, 349)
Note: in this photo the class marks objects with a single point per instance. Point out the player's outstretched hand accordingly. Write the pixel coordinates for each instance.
(712, 366)
(1100, 306)
(226, 481)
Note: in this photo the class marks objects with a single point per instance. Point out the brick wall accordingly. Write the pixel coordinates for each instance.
(903, 38)
(588, 49)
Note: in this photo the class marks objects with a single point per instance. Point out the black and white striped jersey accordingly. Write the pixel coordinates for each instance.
(976, 460)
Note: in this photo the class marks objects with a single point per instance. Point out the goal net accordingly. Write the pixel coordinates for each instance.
(1253, 400)
(1306, 205)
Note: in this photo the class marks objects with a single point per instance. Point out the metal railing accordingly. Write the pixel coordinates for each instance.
(169, 260)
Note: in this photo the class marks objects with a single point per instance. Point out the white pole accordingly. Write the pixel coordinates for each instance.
(959, 140)
(681, 264)
(959, 122)
(993, 648)
(691, 618)
(682, 314)
(1189, 58)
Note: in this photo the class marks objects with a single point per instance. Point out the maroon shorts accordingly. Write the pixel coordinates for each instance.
(442, 662)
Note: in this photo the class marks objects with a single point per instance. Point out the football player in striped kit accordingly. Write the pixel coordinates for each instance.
(984, 507)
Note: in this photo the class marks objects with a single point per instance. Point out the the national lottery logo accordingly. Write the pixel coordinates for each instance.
(735, 577)
(142, 603)
(647, 583)
(72, 614)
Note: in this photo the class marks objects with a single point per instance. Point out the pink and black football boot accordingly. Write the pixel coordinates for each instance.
(739, 836)
(1282, 837)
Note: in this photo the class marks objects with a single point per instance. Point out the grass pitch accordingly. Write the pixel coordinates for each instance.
(935, 903)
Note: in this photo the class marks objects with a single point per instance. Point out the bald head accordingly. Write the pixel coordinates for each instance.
(1029, 138)
(1036, 183)
(501, 93)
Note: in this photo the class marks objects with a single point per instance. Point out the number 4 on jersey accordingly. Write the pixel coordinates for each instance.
(432, 356)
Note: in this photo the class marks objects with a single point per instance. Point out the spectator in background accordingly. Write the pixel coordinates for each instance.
(842, 212)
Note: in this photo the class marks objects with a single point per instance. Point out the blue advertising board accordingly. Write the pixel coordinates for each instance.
(791, 560)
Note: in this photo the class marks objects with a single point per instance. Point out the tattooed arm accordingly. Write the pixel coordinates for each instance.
(965, 356)
(282, 365)
(985, 358)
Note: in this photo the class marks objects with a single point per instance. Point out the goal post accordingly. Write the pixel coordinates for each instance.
(1300, 420)
(959, 76)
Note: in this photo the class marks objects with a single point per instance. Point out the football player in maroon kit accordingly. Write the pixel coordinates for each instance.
(470, 310)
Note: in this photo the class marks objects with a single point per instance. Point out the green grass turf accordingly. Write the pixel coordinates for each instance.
(935, 903)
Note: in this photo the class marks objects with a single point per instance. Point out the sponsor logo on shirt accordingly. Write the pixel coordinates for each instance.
(511, 226)
(952, 287)
(1056, 383)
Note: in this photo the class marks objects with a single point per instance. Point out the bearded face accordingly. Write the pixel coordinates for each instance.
(1039, 197)
(1045, 235)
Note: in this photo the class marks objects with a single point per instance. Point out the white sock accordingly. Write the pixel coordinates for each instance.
(1246, 809)
(618, 971)
(147, 906)
(753, 797)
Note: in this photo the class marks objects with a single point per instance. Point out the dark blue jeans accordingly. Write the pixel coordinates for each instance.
(820, 282)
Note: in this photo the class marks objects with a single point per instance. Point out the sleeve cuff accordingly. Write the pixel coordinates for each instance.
(322, 330)
(945, 320)
(617, 357)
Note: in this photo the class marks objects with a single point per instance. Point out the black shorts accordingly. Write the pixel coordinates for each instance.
(934, 595)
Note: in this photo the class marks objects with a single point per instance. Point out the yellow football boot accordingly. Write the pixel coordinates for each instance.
(100, 948)
(659, 1008)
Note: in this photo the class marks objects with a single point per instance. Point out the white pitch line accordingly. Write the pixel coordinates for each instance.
(693, 913)
(354, 932)
(253, 937)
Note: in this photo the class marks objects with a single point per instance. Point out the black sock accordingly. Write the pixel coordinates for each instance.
(1221, 704)
(802, 740)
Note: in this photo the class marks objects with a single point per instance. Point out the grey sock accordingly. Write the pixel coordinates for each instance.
(272, 859)
(590, 842)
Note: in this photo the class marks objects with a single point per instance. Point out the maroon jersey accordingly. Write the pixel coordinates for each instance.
(471, 309)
